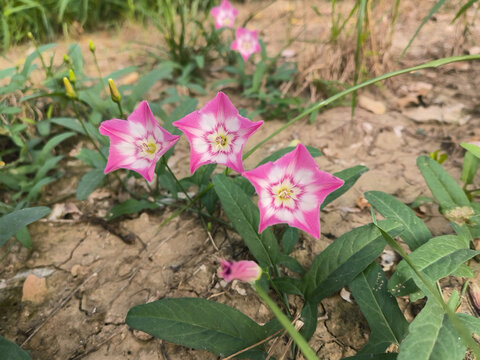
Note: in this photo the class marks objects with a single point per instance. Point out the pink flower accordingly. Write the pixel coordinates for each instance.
(246, 43)
(224, 15)
(217, 134)
(138, 143)
(243, 270)
(291, 191)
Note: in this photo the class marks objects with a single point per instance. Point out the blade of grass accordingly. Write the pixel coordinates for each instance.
(464, 8)
(424, 21)
(361, 25)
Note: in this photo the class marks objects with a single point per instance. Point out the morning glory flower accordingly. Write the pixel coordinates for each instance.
(247, 271)
(291, 191)
(138, 143)
(224, 15)
(246, 43)
(217, 134)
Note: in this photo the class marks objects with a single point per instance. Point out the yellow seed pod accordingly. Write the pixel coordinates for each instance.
(116, 97)
(69, 88)
(30, 35)
(91, 46)
(71, 76)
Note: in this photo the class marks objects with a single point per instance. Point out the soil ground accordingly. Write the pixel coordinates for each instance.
(93, 277)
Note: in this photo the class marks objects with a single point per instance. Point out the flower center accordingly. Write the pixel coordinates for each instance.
(150, 148)
(247, 45)
(285, 194)
(220, 140)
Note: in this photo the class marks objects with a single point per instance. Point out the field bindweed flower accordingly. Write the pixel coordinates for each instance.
(136, 144)
(224, 15)
(291, 190)
(217, 134)
(243, 270)
(246, 43)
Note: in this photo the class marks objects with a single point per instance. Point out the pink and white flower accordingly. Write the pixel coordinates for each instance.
(246, 43)
(291, 191)
(136, 144)
(224, 15)
(247, 271)
(217, 134)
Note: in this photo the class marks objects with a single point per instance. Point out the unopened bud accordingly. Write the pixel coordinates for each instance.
(30, 35)
(116, 97)
(91, 46)
(69, 88)
(2, 164)
(71, 76)
(66, 59)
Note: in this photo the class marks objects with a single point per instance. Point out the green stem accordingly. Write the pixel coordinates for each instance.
(119, 104)
(100, 72)
(321, 104)
(461, 329)
(282, 318)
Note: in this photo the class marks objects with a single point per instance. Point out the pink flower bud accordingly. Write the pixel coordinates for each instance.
(243, 270)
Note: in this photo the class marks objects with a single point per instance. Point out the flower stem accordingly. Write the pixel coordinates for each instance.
(282, 318)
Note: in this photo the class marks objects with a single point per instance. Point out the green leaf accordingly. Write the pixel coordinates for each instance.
(147, 81)
(470, 168)
(345, 258)
(245, 216)
(69, 123)
(350, 177)
(23, 236)
(12, 351)
(291, 263)
(289, 239)
(13, 222)
(437, 258)
(130, 206)
(92, 158)
(54, 142)
(471, 322)
(380, 308)
(279, 153)
(443, 187)
(89, 182)
(186, 107)
(474, 149)
(288, 285)
(415, 231)
(464, 8)
(258, 75)
(197, 323)
(431, 336)
(309, 315)
(424, 21)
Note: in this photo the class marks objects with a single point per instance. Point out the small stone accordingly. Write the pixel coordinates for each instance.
(34, 289)
(77, 269)
(371, 105)
(143, 336)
